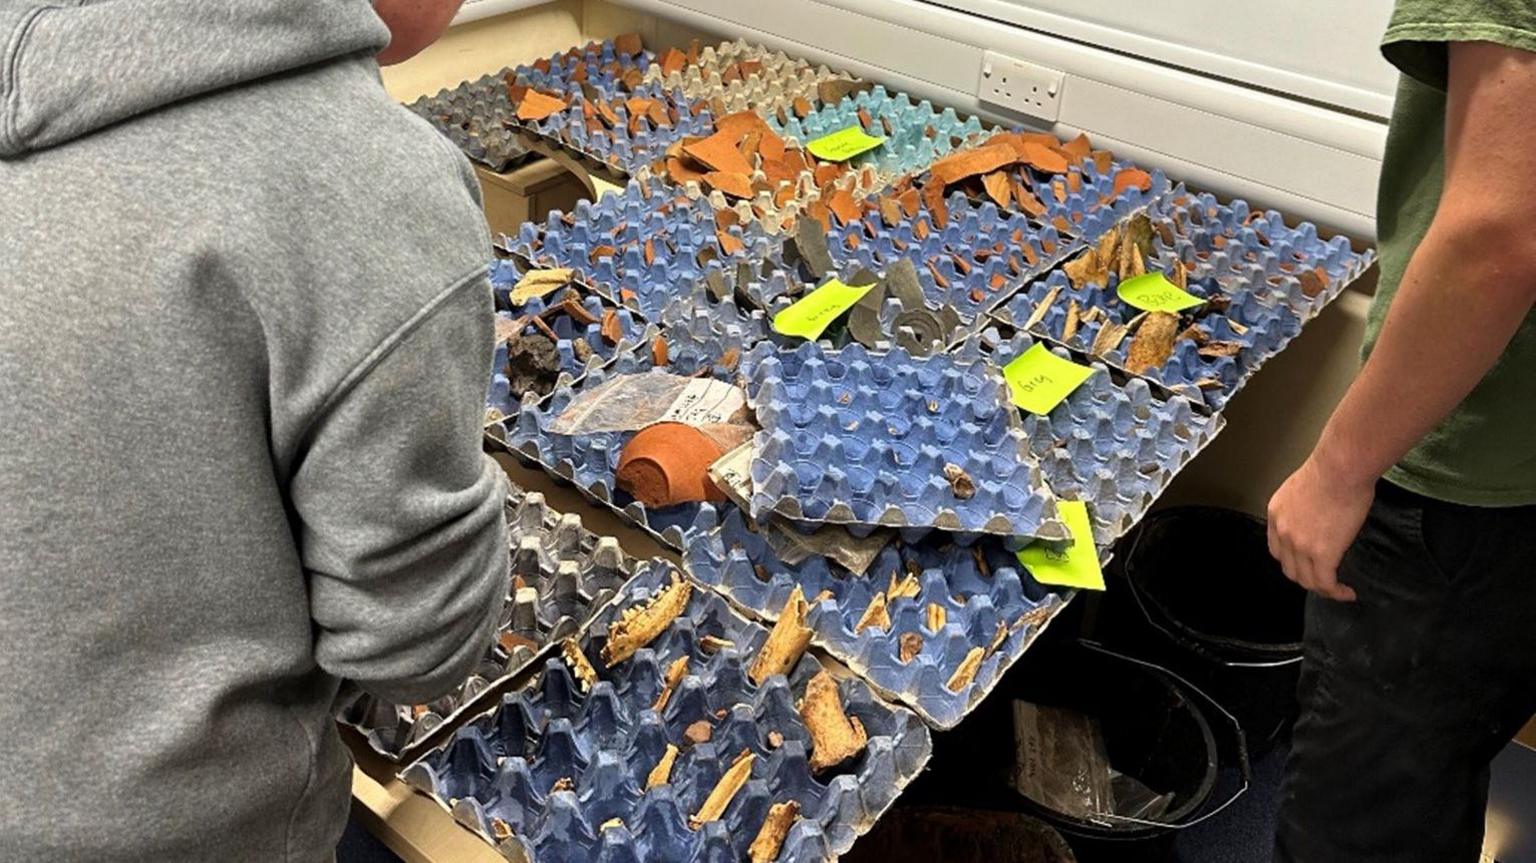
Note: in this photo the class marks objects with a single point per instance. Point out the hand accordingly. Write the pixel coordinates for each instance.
(1313, 518)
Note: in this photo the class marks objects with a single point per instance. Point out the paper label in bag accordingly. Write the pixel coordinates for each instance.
(705, 401)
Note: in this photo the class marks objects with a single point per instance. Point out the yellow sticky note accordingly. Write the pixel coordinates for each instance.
(601, 188)
(1076, 565)
(844, 144)
(1154, 293)
(1039, 379)
(814, 312)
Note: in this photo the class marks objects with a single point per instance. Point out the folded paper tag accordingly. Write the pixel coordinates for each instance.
(705, 401)
(1073, 564)
(844, 144)
(732, 473)
(602, 187)
(1154, 293)
(813, 313)
(1039, 379)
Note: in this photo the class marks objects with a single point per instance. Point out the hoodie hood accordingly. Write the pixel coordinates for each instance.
(68, 69)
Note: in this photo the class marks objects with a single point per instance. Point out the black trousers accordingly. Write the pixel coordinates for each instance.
(1409, 693)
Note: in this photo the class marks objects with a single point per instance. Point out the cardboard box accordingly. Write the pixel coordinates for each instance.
(527, 193)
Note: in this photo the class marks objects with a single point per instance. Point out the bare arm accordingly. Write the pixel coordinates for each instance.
(1470, 284)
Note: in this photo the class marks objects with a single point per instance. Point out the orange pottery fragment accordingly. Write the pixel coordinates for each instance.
(1132, 178)
(1047, 159)
(730, 244)
(627, 43)
(969, 163)
(998, 187)
(537, 106)
(735, 185)
(673, 61)
(1078, 148)
(718, 153)
(844, 206)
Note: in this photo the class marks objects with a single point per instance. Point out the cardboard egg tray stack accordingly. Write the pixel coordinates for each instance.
(561, 575)
(894, 426)
(661, 734)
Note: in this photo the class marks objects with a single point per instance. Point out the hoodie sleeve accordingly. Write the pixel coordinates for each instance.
(400, 512)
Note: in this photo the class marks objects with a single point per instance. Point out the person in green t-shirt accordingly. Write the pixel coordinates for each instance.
(1413, 521)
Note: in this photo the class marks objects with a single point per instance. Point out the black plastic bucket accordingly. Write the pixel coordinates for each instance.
(951, 834)
(1157, 728)
(1200, 594)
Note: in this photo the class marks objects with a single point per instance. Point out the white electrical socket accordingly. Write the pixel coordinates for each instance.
(1028, 88)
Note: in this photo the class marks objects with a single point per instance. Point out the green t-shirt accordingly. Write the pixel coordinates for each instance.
(1484, 453)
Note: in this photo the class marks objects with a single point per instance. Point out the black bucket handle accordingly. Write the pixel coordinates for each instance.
(1235, 729)
(1178, 638)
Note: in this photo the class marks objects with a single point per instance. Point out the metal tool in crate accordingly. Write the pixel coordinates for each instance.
(885, 439)
(932, 624)
(1114, 442)
(700, 339)
(677, 730)
(561, 574)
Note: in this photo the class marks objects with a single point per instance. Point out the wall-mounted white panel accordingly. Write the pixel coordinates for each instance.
(1322, 50)
(1309, 160)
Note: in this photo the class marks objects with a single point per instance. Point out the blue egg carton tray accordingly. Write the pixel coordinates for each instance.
(1115, 442)
(501, 401)
(1264, 310)
(1267, 327)
(567, 574)
(597, 67)
(681, 233)
(918, 132)
(1094, 207)
(555, 774)
(621, 150)
(474, 116)
(1240, 248)
(990, 604)
(698, 337)
(982, 256)
(867, 439)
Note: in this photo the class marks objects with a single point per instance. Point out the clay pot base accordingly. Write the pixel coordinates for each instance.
(666, 464)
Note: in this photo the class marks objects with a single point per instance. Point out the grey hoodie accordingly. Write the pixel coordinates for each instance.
(245, 336)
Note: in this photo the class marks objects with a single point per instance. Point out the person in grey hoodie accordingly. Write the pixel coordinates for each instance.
(245, 336)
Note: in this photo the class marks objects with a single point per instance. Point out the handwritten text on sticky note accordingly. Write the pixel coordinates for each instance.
(1154, 293)
(1039, 380)
(1074, 565)
(814, 312)
(844, 144)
